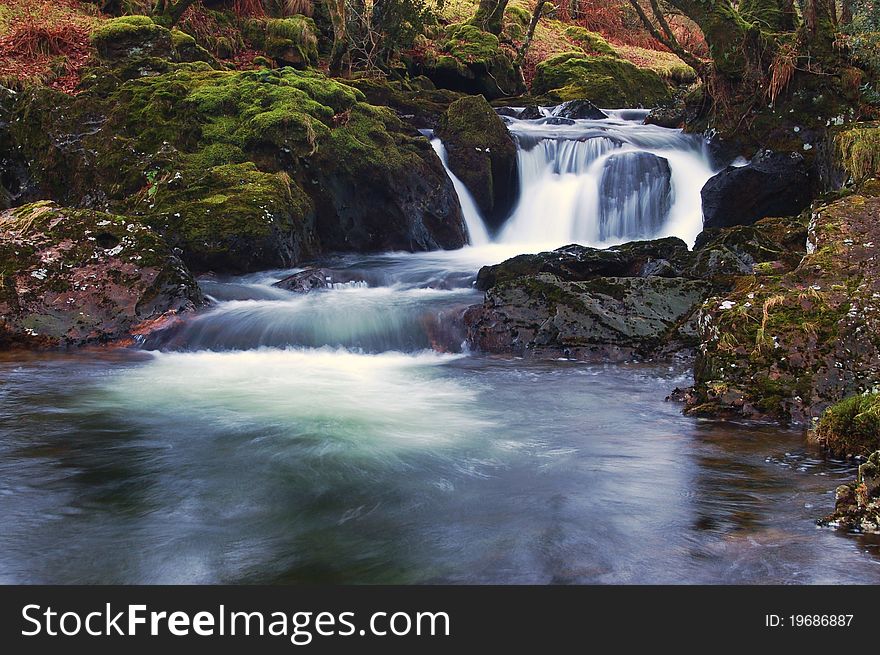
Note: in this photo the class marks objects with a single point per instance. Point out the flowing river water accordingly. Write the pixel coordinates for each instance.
(349, 436)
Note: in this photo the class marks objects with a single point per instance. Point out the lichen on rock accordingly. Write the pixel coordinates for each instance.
(73, 277)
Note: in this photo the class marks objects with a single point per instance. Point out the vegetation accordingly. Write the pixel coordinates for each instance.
(852, 426)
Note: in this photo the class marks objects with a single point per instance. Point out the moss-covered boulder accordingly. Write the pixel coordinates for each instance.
(291, 41)
(786, 345)
(74, 277)
(380, 186)
(483, 155)
(851, 426)
(592, 42)
(236, 168)
(605, 80)
(417, 100)
(472, 61)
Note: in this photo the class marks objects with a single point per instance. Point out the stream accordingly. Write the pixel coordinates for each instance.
(349, 436)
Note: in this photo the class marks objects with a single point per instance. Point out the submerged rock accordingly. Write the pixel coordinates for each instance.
(483, 155)
(75, 277)
(316, 279)
(772, 184)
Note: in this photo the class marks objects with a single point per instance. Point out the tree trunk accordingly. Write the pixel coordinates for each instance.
(176, 10)
(336, 9)
(490, 15)
(536, 16)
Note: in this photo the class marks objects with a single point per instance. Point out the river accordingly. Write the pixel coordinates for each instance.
(349, 436)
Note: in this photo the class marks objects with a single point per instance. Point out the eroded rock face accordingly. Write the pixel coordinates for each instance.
(772, 184)
(483, 155)
(786, 345)
(76, 277)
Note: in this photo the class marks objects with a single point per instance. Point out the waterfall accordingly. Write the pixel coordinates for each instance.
(477, 233)
(597, 182)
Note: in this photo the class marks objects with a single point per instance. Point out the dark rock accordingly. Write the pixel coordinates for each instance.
(772, 184)
(483, 155)
(669, 117)
(580, 109)
(601, 319)
(75, 277)
(635, 195)
(314, 279)
(530, 113)
(577, 263)
(857, 505)
(510, 112)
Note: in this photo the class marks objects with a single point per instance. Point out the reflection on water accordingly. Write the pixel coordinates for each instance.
(324, 465)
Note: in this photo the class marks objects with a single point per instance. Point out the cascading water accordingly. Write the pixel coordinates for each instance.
(605, 181)
(345, 434)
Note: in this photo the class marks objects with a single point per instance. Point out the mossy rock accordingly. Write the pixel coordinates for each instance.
(472, 61)
(383, 187)
(590, 41)
(234, 218)
(70, 277)
(415, 100)
(292, 41)
(606, 81)
(483, 155)
(795, 342)
(851, 427)
(226, 164)
(857, 151)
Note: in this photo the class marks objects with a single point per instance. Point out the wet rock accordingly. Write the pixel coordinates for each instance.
(580, 109)
(314, 279)
(857, 505)
(577, 263)
(483, 155)
(531, 113)
(669, 117)
(635, 193)
(772, 184)
(601, 319)
(76, 277)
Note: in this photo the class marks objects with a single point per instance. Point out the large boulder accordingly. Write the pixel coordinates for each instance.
(771, 184)
(786, 345)
(601, 319)
(472, 61)
(635, 195)
(605, 80)
(240, 170)
(661, 257)
(74, 277)
(483, 155)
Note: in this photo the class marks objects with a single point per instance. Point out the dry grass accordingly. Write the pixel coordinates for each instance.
(45, 41)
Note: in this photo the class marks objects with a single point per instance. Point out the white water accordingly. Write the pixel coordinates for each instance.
(597, 182)
(477, 234)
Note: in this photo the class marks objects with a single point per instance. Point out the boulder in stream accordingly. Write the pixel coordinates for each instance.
(771, 184)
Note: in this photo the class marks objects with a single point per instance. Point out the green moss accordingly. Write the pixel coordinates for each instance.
(604, 80)
(469, 43)
(518, 14)
(590, 41)
(125, 30)
(297, 35)
(852, 426)
(858, 151)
